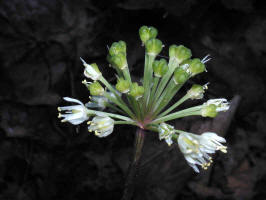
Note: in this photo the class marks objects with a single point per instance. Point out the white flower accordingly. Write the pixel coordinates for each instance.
(221, 104)
(197, 147)
(166, 132)
(90, 71)
(74, 114)
(101, 125)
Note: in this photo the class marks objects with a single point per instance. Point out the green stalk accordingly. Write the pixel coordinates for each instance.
(133, 169)
(183, 113)
(118, 71)
(110, 87)
(167, 98)
(180, 131)
(172, 66)
(135, 105)
(125, 122)
(119, 100)
(179, 102)
(127, 74)
(150, 98)
(100, 113)
(115, 108)
(122, 106)
(140, 107)
(165, 94)
(147, 77)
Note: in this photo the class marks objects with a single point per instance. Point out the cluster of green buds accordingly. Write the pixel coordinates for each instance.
(146, 104)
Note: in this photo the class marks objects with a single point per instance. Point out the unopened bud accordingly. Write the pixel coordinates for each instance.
(118, 47)
(160, 67)
(153, 47)
(180, 76)
(96, 89)
(147, 33)
(122, 85)
(196, 91)
(136, 91)
(196, 67)
(119, 60)
(179, 53)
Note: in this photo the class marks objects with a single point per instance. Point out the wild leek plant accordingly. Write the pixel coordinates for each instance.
(146, 105)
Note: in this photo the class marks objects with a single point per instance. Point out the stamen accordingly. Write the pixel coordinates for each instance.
(205, 86)
(206, 59)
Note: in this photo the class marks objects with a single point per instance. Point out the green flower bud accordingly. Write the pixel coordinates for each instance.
(118, 47)
(96, 89)
(196, 91)
(180, 53)
(136, 91)
(180, 76)
(147, 33)
(119, 60)
(209, 110)
(122, 85)
(160, 67)
(153, 46)
(196, 66)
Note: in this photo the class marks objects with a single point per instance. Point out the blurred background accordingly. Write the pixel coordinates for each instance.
(40, 45)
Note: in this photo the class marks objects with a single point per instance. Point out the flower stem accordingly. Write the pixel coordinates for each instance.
(172, 65)
(132, 173)
(180, 101)
(121, 105)
(125, 122)
(196, 110)
(154, 87)
(147, 77)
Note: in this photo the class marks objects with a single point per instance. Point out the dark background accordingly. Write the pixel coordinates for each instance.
(40, 45)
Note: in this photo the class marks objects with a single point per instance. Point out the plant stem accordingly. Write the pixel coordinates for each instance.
(132, 173)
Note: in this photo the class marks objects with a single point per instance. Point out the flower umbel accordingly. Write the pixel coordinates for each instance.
(146, 103)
